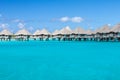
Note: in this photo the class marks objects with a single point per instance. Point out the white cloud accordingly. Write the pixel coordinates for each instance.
(3, 26)
(31, 28)
(17, 21)
(21, 25)
(91, 28)
(73, 19)
(109, 24)
(76, 19)
(64, 19)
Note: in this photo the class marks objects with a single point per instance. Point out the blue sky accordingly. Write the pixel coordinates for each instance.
(56, 14)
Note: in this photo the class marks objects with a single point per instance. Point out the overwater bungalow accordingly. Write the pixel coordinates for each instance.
(44, 35)
(79, 33)
(115, 32)
(22, 35)
(41, 35)
(89, 35)
(36, 35)
(56, 35)
(104, 33)
(5, 35)
(101, 34)
(66, 33)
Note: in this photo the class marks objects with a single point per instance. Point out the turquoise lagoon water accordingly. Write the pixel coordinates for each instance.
(52, 60)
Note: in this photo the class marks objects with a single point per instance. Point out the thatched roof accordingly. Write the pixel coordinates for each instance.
(6, 32)
(23, 32)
